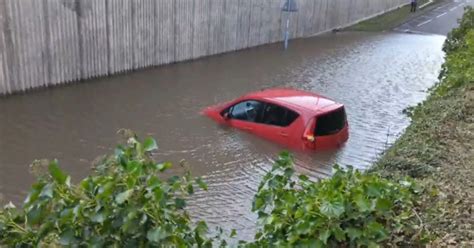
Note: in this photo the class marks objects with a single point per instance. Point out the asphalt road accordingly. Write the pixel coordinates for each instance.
(440, 20)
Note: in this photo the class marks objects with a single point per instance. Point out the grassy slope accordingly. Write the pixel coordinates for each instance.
(388, 20)
(438, 147)
(438, 150)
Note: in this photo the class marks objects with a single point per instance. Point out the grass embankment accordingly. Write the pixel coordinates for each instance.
(438, 147)
(390, 19)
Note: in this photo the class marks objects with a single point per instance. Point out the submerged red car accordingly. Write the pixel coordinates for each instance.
(294, 118)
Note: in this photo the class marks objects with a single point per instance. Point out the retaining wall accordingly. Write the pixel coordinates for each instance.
(49, 42)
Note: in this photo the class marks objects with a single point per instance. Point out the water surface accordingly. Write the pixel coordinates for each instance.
(375, 75)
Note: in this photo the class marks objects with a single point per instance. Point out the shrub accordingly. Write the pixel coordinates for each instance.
(458, 68)
(455, 39)
(351, 209)
(125, 203)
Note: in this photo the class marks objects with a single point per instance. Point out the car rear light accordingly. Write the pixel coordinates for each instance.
(308, 134)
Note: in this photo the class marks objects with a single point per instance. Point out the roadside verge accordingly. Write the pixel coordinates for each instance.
(394, 18)
(438, 149)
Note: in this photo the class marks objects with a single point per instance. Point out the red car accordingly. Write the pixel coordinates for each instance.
(294, 118)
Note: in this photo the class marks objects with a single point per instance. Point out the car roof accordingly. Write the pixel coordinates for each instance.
(296, 99)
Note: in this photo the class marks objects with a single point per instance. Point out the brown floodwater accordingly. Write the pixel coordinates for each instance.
(376, 75)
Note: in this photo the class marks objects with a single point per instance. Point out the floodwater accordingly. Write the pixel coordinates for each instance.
(375, 75)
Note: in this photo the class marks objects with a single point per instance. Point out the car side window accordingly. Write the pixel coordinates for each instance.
(247, 111)
(278, 116)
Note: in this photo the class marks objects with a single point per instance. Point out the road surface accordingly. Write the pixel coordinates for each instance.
(440, 20)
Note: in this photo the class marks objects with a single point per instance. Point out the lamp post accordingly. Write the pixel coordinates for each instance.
(289, 6)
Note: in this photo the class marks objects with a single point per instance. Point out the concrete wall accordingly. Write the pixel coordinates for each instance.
(48, 42)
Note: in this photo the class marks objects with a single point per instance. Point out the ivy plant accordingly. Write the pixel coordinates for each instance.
(125, 203)
(350, 209)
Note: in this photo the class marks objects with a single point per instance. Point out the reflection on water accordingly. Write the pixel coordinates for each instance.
(375, 75)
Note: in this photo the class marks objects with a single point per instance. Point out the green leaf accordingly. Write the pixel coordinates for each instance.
(34, 194)
(47, 191)
(363, 203)
(67, 238)
(258, 203)
(304, 178)
(233, 233)
(289, 172)
(306, 243)
(373, 245)
(353, 233)
(377, 231)
(133, 166)
(157, 234)
(299, 213)
(85, 184)
(57, 174)
(106, 190)
(324, 236)
(332, 209)
(374, 189)
(122, 197)
(201, 183)
(159, 194)
(66, 213)
(303, 227)
(35, 215)
(164, 166)
(149, 144)
(190, 189)
(96, 242)
(339, 234)
(153, 182)
(202, 228)
(180, 203)
(98, 217)
(383, 205)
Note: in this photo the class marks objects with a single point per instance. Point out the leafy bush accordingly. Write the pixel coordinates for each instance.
(458, 69)
(459, 66)
(351, 209)
(455, 39)
(124, 204)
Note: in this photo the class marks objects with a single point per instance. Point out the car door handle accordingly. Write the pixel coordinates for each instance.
(248, 128)
(284, 134)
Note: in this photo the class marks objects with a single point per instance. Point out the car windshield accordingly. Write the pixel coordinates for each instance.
(247, 111)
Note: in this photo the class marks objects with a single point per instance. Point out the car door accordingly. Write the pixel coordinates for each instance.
(276, 124)
(245, 115)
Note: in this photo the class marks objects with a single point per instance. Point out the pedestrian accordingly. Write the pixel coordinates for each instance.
(414, 5)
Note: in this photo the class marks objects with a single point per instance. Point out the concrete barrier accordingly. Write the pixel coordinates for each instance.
(49, 42)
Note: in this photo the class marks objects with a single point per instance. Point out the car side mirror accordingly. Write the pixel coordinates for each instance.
(226, 116)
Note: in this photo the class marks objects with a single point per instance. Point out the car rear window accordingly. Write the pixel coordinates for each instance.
(330, 123)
